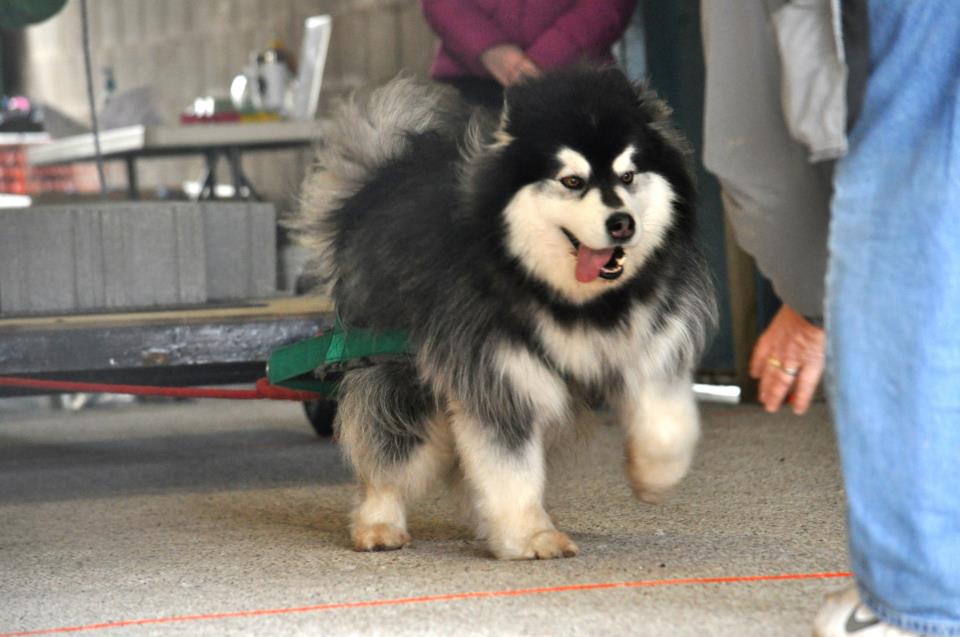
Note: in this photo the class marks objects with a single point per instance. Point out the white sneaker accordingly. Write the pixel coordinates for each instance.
(844, 615)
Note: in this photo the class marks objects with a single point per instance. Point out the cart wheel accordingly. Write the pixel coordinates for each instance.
(320, 413)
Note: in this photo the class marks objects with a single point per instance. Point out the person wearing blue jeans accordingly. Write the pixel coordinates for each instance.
(893, 289)
(893, 329)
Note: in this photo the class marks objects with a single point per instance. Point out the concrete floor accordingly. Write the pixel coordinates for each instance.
(227, 518)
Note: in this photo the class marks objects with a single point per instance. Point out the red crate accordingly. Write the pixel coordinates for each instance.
(20, 178)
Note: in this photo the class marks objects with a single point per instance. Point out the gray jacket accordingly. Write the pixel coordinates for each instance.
(775, 114)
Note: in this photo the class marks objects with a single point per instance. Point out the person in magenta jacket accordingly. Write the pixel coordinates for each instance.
(486, 45)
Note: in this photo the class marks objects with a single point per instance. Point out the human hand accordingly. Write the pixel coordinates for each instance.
(508, 64)
(788, 355)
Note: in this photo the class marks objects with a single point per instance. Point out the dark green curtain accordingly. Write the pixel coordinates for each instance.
(17, 14)
(676, 71)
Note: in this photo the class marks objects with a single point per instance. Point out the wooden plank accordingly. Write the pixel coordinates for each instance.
(268, 309)
(184, 341)
(99, 349)
(742, 284)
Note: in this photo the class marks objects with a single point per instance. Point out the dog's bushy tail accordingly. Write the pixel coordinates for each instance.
(365, 133)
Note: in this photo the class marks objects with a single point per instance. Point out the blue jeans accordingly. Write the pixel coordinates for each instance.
(893, 316)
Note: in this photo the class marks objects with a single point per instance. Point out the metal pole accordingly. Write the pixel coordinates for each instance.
(91, 99)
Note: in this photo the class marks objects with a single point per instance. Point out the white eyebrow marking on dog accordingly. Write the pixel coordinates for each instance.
(624, 161)
(572, 162)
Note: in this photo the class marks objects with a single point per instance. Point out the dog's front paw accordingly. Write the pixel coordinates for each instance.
(652, 481)
(379, 537)
(650, 495)
(650, 491)
(545, 545)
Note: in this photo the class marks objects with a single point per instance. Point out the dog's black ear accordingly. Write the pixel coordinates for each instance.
(502, 135)
(659, 117)
(512, 97)
(521, 103)
(648, 100)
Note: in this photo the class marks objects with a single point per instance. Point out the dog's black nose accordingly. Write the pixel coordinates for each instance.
(620, 226)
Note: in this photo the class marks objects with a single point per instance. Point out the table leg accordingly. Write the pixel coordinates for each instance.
(242, 188)
(236, 171)
(209, 188)
(133, 184)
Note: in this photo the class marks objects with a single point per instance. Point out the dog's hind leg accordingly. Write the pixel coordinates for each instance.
(662, 427)
(396, 439)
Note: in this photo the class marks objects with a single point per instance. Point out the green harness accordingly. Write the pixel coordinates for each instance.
(317, 364)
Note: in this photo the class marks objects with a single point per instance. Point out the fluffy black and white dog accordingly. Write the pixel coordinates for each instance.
(536, 257)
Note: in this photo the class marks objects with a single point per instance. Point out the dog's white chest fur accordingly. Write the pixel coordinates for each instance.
(591, 354)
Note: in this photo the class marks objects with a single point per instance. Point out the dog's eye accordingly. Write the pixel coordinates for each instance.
(627, 177)
(572, 182)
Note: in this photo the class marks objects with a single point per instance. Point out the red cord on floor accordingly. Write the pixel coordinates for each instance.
(427, 599)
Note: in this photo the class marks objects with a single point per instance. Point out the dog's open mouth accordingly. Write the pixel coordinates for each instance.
(606, 264)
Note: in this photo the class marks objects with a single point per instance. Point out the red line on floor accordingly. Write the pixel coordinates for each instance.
(450, 597)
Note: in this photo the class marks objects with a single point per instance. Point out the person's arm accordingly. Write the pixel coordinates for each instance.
(465, 29)
(589, 26)
(777, 202)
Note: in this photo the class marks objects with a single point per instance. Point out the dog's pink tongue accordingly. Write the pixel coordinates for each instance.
(589, 262)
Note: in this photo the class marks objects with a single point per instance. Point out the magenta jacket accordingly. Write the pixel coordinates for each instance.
(552, 32)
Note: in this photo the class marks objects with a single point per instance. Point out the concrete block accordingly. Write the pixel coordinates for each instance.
(88, 258)
(240, 241)
(37, 271)
(152, 256)
(191, 253)
(135, 255)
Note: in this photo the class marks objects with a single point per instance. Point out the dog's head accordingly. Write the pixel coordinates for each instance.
(599, 179)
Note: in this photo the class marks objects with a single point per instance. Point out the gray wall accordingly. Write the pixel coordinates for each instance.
(186, 48)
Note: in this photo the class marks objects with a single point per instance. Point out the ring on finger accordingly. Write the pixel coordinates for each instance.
(789, 371)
